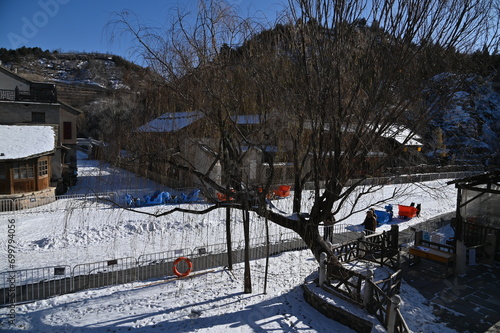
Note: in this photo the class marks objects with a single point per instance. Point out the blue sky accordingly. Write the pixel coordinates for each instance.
(80, 25)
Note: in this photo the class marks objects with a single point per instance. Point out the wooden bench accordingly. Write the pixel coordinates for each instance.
(437, 252)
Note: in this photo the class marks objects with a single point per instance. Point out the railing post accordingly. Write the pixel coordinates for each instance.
(418, 237)
(361, 247)
(394, 236)
(322, 268)
(392, 313)
(368, 292)
(489, 248)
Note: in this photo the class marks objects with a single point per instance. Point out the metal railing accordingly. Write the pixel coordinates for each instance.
(412, 178)
(38, 283)
(32, 204)
(104, 273)
(39, 92)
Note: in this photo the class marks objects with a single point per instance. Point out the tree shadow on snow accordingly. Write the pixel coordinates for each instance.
(286, 312)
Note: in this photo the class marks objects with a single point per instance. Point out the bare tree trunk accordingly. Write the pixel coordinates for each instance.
(247, 273)
(228, 239)
(267, 256)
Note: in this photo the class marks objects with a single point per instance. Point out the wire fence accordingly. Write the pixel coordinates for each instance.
(412, 178)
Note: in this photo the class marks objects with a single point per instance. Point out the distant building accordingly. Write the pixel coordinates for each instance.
(193, 134)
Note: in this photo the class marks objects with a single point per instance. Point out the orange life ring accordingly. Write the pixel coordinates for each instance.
(188, 262)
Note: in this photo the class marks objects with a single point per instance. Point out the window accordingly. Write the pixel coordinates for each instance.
(67, 130)
(3, 172)
(23, 170)
(38, 117)
(268, 157)
(43, 168)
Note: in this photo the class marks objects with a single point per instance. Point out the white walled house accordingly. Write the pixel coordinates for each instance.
(26, 102)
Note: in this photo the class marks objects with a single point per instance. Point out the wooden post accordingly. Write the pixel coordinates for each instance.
(246, 231)
(361, 247)
(459, 226)
(418, 237)
(228, 239)
(392, 313)
(489, 248)
(460, 257)
(267, 256)
(368, 292)
(394, 236)
(322, 268)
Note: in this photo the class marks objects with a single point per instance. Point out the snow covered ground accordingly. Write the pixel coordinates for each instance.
(212, 302)
(73, 231)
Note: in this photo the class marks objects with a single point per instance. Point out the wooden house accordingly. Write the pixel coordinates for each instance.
(25, 164)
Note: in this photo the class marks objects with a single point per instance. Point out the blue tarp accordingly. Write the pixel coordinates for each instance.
(384, 216)
(162, 198)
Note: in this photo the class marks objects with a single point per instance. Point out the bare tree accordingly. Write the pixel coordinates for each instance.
(333, 86)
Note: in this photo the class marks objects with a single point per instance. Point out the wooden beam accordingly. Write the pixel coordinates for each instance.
(478, 189)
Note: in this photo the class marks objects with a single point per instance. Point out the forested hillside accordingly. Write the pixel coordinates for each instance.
(111, 91)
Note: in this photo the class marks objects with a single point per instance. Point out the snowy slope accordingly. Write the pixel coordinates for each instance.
(469, 120)
(76, 231)
(210, 302)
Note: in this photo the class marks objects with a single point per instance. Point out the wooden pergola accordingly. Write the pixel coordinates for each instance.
(477, 213)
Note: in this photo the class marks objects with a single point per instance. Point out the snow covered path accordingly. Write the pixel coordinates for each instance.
(211, 302)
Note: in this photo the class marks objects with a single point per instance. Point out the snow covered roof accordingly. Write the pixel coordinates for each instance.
(25, 141)
(401, 135)
(267, 148)
(171, 122)
(246, 119)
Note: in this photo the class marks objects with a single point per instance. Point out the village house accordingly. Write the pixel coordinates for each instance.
(156, 139)
(25, 102)
(26, 152)
(189, 133)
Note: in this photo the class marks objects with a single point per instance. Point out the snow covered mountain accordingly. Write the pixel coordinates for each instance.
(465, 125)
(83, 69)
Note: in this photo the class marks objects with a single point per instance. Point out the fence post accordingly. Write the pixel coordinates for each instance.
(419, 235)
(322, 268)
(368, 292)
(392, 313)
(394, 236)
(489, 248)
(361, 247)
